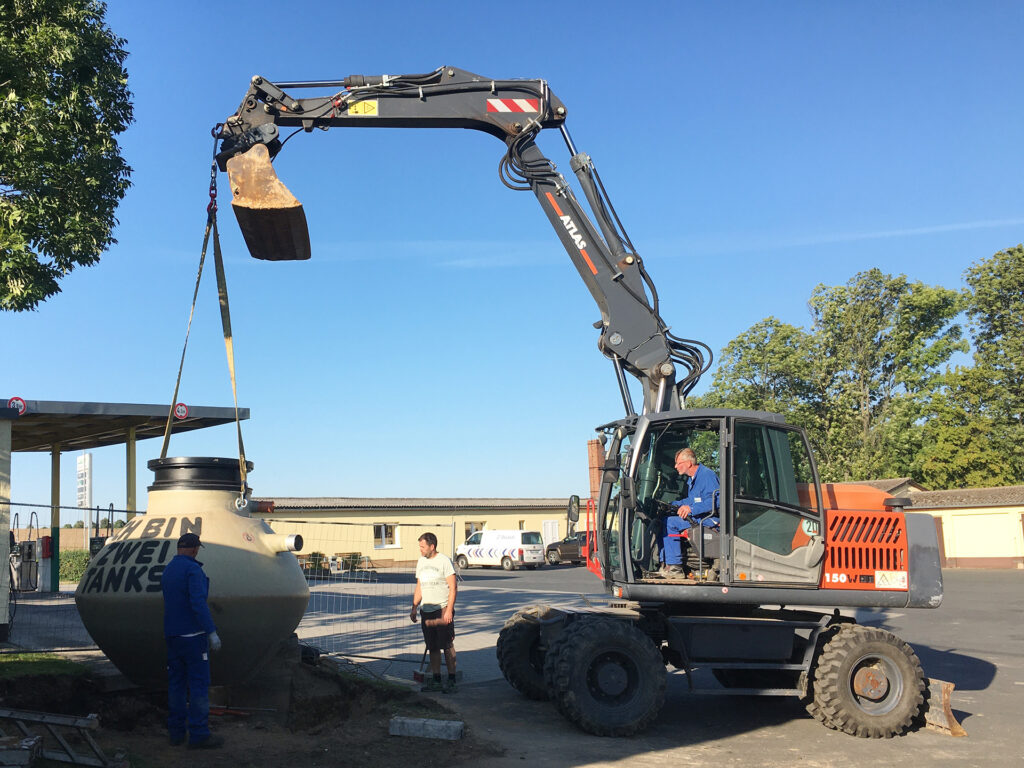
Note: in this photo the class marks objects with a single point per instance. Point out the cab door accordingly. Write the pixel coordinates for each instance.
(776, 507)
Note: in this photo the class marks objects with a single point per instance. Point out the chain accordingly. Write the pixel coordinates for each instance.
(211, 208)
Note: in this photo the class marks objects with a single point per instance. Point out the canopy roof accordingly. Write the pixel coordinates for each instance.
(76, 426)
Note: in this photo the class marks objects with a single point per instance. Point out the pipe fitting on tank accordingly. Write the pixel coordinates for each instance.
(284, 542)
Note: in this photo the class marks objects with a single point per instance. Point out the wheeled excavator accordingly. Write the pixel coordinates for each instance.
(765, 609)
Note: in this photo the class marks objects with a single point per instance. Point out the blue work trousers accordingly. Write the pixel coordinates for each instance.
(188, 687)
(671, 546)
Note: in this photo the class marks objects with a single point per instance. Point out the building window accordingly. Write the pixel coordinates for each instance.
(472, 528)
(522, 525)
(385, 535)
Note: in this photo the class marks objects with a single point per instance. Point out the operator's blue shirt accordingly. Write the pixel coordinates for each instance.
(186, 588)
(700, 498)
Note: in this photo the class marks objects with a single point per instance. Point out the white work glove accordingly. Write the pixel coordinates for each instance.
(214, 642)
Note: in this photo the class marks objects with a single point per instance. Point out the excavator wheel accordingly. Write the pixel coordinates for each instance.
(868, 683)
(519, 653)
(606, 676)
(806, 680)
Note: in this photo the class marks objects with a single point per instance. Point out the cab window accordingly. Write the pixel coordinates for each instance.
(774, 488)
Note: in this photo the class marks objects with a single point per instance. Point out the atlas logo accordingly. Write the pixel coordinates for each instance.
(570, 227)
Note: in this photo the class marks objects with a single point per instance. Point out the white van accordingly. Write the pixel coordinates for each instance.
(509, 549)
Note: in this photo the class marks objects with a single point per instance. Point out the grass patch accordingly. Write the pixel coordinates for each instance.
(14, 665)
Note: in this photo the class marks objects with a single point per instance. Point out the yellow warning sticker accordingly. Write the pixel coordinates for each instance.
(363, 108)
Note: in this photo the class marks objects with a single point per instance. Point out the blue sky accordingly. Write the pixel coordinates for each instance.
(439, 343)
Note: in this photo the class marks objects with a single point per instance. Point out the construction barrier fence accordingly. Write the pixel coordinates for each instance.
(361, 581)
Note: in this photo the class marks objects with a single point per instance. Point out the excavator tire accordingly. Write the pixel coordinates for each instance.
(519, 653)
(868, 683)
(606, 676)
(807, 680)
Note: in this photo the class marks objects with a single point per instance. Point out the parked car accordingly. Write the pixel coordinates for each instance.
(567, 550)
(509, 549)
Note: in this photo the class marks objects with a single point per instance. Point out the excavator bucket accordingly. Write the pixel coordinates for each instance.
(938, 714)
(271, 219)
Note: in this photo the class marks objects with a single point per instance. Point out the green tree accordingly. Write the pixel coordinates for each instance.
(78, 524)
(768, 367)
(859, 380)
(975, 426)
(967, 441)
(996, 310)
(883, 342)
(63, 99)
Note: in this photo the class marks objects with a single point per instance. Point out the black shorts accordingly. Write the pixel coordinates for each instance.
(440, 636)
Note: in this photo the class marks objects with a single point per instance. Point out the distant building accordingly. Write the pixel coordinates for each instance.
(83, 482)
(385, 530)
(977, 527)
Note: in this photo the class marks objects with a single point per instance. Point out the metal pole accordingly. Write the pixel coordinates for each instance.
(55, 518)
(5, 521)
(129, 446)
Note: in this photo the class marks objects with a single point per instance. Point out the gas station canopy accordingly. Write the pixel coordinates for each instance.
(44, 425)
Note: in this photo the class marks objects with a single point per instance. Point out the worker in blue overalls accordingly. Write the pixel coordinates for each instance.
(191, 635)
(697, 507)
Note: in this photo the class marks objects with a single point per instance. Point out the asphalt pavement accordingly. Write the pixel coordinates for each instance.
(975, 640)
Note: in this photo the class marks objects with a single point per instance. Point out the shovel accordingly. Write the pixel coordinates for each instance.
(270, 217)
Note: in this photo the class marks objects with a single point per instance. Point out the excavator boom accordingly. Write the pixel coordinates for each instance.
(633, 335)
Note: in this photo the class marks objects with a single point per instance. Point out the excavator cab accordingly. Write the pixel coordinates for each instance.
(768, 508)
(270, 217)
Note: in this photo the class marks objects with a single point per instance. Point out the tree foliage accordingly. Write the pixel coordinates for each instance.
(996, 309)
(63, 100)
(860, 380)
(768, 367)
(974, 431)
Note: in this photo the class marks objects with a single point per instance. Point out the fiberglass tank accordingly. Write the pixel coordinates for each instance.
(258, 593)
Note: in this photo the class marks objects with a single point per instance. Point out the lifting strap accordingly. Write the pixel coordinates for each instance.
(225, 319)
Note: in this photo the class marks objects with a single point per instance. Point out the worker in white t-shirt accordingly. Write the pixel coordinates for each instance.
(435, 598)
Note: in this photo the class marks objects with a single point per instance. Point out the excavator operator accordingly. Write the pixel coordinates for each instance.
(697, 507)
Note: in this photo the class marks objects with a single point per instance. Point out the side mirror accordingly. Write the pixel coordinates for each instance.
(574, 509)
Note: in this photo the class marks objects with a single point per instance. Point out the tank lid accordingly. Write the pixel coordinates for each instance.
(204, 473)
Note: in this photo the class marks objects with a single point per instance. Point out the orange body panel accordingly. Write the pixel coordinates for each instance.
(865, 543)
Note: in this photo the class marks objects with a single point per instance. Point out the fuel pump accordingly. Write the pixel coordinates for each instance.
(97, 542)
(25, 560)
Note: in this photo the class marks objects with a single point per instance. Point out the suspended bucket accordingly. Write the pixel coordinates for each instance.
(270, 217)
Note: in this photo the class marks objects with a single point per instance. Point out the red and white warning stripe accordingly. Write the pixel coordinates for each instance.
(513, 105)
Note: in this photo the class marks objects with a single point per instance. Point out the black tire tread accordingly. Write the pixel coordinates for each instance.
(829, 683)
(515, 643)
(570, 650)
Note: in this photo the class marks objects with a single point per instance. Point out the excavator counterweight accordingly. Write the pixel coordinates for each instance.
(270, 217)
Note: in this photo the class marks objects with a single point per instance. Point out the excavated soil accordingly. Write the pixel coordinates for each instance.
(334, 719)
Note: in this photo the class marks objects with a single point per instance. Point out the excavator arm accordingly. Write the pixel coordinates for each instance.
(633, 335)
